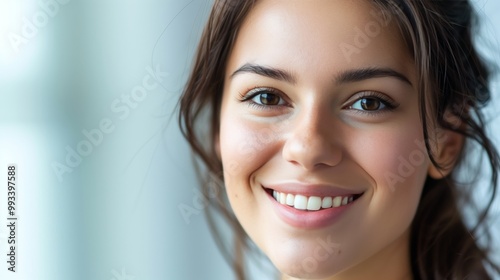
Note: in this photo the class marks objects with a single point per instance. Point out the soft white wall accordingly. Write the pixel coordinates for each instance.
(116, 213)
(489, 43)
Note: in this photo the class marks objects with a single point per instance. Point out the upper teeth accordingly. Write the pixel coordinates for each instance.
(313, 203)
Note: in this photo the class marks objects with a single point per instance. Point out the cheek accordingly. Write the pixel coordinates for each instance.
(393, 159)
(397, 163)
(245, 146)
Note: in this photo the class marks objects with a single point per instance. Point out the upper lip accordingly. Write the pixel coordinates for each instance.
(321, 190)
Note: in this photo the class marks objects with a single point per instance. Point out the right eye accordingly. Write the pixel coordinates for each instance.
(268, 99)
(264, 97)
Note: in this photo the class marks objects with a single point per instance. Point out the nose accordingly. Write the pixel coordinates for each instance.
(311, 143)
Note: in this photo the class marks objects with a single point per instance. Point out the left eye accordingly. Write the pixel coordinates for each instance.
(369, 104)
(267, 98)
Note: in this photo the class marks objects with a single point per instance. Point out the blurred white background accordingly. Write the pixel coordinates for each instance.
(115, 214)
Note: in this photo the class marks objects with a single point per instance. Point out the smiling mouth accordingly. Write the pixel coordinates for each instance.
(312, 203)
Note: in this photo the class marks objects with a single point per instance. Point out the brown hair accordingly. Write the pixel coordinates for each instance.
(452, 78)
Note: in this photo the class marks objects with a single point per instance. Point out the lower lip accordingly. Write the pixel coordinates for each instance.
(308, 219)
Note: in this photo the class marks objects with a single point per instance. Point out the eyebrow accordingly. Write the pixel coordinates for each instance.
(348, 76)
(357, 75)
(266, 71)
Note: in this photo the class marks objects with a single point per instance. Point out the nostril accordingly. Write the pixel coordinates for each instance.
(311, 151)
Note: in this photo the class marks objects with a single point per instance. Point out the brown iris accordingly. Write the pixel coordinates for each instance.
(269, 99)
(370, 104)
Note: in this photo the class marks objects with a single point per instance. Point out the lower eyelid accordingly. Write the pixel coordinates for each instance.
(274, 109)
(388, 109)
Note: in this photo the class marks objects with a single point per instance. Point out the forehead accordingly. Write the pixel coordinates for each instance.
(315, 37)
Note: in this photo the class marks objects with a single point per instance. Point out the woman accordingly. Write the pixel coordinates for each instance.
(337, 128)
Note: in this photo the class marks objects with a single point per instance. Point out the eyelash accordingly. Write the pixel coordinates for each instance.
(251, 94)
(389, 104)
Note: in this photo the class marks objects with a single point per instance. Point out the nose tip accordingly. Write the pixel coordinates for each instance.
(311, 150)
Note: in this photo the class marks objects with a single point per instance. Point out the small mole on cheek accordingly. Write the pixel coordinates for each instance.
(340, 251)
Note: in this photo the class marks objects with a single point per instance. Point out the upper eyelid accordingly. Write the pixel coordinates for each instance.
(251, 93)
(248, 96)
(370, 93)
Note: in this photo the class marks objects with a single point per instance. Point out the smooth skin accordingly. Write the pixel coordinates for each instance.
(308, 121)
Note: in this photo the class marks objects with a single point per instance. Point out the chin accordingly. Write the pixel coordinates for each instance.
(309, 269)
(303, 261)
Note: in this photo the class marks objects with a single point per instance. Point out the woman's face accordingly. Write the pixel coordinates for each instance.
(321, 140)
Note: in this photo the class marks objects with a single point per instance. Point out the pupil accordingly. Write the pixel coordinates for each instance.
(370, 104)
(269, 99)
